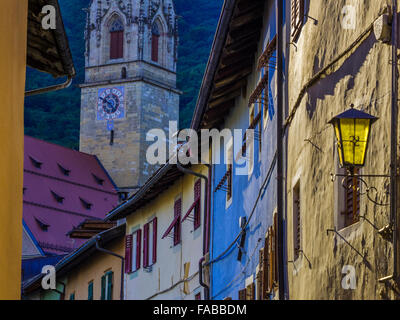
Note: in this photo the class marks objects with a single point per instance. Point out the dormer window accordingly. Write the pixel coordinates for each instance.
(117, 40)
(36, 163)
(87, 205)
(64, 171)
(99, 181)
(42, 225)
(57, 197)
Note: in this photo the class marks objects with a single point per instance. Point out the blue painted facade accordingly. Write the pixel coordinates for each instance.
(253, 195)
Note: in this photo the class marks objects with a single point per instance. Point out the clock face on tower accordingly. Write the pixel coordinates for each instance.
(110, 103)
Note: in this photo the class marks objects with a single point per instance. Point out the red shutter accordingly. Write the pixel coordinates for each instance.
(146, 245)
(197, 209)
(154, 47)
(177, 228)
(128, 253)
(138, 246)
(155, 240)
(116, 44)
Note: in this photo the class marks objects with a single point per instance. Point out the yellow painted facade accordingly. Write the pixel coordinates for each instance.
(13, 28)
(165, 278)
(92, 269)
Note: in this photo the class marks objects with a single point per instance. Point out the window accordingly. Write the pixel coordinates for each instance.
(196, 206)
(57, 197)
(177, 227)
(132, 251)
(117, 40)
(42, 225)
(296, 221)
(155, 42)
(107, 286)
(87, 205)
(250, 292)
(36, 163)
(229, 173)
(351, 195)
(63, 170)
(98, 180)
(175, 224)
(72, 296)
(297, 17)
(242, 294)
(150, 243)
(90, 290)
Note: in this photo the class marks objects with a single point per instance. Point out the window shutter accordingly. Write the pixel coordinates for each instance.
(352, 200)
(103, 288)
(242, 294)
(197, 209)
(177, 228)
(72, 296)
(297, 19)
(138, 246)
(271, 266)
(128, 253)
(229, 192)
(90, 291)
(109, 285)
(146, 230)
(250, 292)
(116, 44)
(155, 240)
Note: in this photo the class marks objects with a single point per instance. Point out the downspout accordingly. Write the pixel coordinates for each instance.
(98, 238)
(57, 87)
(206, 222)
(279, 137)
(393, 160)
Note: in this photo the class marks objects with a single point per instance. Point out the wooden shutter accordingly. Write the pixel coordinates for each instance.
(110, 278)
(177, 227)
(297, 18)
(90, 291)
(275, 248)
(229, 182)
(116, 44)
(352, 200)
(250, 292)
(128, 253)
(197, 209)
(155, 39)
(154, 240)
(146, 230)
(266, 266)
(138, 246)
(242, 294)
(271, 249)
(103, 288)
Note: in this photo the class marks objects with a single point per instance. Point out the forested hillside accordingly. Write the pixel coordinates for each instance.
(55, 116)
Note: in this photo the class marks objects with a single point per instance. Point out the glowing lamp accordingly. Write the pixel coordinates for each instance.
(352, 130)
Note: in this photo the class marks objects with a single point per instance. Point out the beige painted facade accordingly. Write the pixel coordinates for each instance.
(163, 281)
(12, 87)
(92, 269)
(363, 78)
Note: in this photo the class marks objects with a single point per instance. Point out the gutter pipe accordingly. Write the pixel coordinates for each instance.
(98, 238)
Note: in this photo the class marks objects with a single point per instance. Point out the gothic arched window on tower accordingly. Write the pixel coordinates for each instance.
(117, 40)
(155, 42)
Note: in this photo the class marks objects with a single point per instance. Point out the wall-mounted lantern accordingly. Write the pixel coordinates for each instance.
(352, 129)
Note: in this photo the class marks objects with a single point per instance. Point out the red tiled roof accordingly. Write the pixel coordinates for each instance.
(54, 198)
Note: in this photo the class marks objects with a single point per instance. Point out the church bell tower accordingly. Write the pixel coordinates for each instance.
(130, 84)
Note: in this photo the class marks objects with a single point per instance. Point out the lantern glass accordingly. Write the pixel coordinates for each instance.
(352, 130)
(354, 134)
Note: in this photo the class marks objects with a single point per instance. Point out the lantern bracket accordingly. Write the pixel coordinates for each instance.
(368, 188)
(364, 257)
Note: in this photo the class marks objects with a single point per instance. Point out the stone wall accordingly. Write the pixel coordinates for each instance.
(363, 78)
